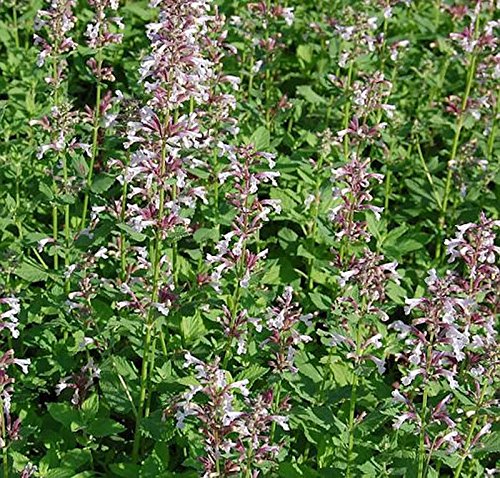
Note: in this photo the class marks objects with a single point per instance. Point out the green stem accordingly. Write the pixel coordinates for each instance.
(387, 189)
(145, 369)
(347, 108)
(314, 226)
(456, 139)
(55, 232)
(354, 394)
(95, 139)
(16, 26)
(421, 447)
(67, 230)
(492, 135)
(352, 410)
(142, 393)
(123, 239)
(276, 406)
(423, 414)
(428, 175)
(470, 435)
(251, 75)
(55, 219)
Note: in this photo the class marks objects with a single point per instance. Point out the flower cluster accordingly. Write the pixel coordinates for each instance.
(454, 338)
(281, 322)
(57, 20)
(370, 274)
(216, 413)
(233, 252)
(81, 383)
(8, 317)
(100, 33)
(177, 70)
(11, 427)
(352, 188)
(235, 438)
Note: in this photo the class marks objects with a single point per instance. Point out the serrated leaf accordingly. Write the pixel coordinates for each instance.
(102, 427)
(102, 183)
(310, 95)
(31, 273)
(261, 138)
(192, 328)
(90, 407)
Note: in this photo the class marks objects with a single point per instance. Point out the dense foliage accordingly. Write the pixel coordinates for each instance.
(249, 239)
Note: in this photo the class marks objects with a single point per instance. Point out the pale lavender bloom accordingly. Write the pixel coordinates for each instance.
(246, 176)
(56, 21)
(99, 32)
(215, 413)
(28, 471)
(8, 316)
(453, 336)
(352, 188)
(176, 70)
(81, 383)
(11, 426)
(282, 324)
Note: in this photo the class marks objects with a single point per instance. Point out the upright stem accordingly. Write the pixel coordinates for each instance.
(354, 395)
(123, 249)
(16, 26)
(276, 405)
(55, 218)
(456, 139)
(423, 415)
(470, 435)
(67, 233)
(421, 447)
(347, 108)
(95, 139)
(314, 226)
(492, 135)
(150, 322)
(387, 188)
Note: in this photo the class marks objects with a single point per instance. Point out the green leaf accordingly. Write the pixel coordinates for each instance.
(60, 473)
(321, 302)
(64, 413)
(46, 191)
(102, 183)
(261, 138)
(102, 427)
(80, 166)
(205, 234)
(31, 273)
(192, 328)
(310, 95)
(125, 470)
(305, 52)
(90, 407)
(252, 373)
(134, 235)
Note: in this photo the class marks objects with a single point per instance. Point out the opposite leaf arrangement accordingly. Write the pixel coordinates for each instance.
(246, 239)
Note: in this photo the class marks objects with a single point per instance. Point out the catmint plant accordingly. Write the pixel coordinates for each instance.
(100, 34)
(53, 27)
(237, 258)
(451, 345)
(10, 426)
(235, 428)
(160, 193)
(363, 278)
